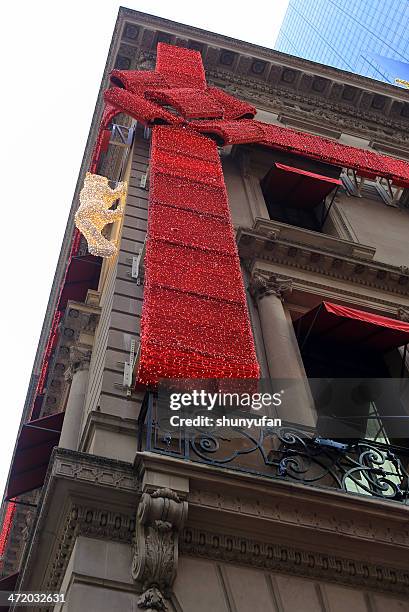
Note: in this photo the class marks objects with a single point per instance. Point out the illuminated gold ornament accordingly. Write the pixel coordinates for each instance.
(94, 213)
(402, 82)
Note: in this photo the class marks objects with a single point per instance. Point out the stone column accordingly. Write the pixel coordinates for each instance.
(282, 351)
(78, 374)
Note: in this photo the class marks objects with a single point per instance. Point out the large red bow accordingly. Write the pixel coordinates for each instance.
(195, 319)
(179, 83)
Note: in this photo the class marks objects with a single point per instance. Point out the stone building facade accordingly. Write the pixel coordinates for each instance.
(116, 519)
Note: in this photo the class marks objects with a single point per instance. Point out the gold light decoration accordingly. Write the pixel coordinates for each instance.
(94, 213)
(402, 82)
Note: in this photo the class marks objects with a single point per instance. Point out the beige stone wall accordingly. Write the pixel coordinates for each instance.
(203, 585)
(108, 406)
(375, 224)
(366, 220)
(98, 577)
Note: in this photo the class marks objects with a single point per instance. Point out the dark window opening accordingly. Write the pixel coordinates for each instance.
(361, 402)
(299, 191)
(307, 219)
(357, 374)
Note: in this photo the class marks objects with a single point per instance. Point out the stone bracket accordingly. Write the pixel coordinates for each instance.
(161, 516)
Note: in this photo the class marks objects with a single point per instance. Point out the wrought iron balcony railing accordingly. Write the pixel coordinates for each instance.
(288, 453)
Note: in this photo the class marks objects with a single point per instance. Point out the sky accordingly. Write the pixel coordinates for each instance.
(52, 57)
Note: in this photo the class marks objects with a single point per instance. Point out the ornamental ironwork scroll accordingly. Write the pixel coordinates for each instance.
(289, 452)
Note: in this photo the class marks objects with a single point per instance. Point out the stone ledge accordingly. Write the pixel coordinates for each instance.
(295, 248)
(282, 525)
(75, 480)
(323, 242)
(290, 527)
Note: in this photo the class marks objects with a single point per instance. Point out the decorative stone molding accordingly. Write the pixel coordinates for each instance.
(161, 516)
(91, 522)
(151, 26)
(77, 328)
(347, 518)
(152, 599)
(267, 510)
(403, 314)
(324, 255)
(284, 559)
(271, 233)
(80, 357)
(282, 83)
(336, 117)
(94, 470)
(261, 286)
(91, 473)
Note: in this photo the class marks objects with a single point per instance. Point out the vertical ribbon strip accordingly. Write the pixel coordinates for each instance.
(194, 320)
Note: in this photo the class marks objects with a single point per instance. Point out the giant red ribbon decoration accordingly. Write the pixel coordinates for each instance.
(5, 529)
(194, 319)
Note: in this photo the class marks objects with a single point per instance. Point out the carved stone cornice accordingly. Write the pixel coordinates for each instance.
(161, 515)
(319, 254)
(280, 557)
(80, 357)
(273, 284)
(322, 520)
(303, 106)
(158, 24)
(92, 522)
(336, 116)
(93, 470)
(81, 496)
(279, 81)
(98, 483)
(403, 314)
(77, 329)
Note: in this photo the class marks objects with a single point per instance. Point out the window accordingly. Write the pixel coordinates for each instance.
(355, 372)
(300, 192)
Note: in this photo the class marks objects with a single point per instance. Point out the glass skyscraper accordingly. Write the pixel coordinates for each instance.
(361, 36)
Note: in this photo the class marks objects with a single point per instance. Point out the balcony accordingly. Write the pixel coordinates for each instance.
(289, 453)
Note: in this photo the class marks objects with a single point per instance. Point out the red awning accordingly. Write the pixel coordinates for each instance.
(82, 274)
(8, 583)
(34, 446)
(297, 188)
(342, 325)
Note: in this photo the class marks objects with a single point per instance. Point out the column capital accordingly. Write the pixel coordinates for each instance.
(79, 360)
(403, 314)
(273, 284)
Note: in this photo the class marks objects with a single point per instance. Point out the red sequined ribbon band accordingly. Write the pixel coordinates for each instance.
(194, 319)
(179, 82)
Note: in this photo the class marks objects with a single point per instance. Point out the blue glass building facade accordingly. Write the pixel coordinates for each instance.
(360, 36)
